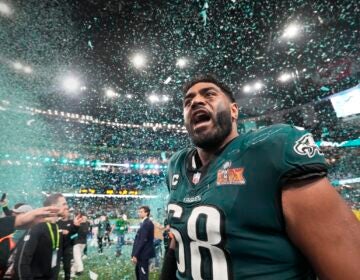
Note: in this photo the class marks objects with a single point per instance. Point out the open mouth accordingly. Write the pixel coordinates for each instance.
(200, 119)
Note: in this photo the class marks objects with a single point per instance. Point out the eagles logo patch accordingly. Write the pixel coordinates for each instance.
(306, 146)
(231, 176)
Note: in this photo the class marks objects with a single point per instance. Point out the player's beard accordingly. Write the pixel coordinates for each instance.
(214, 139)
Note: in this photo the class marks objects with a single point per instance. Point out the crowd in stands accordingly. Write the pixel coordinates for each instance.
(94, 134)
(109, 206)
(343, 162)
(72, 180)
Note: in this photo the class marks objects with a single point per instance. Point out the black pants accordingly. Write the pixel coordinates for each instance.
(142, 270)
(100, 244)
(67, 257)
(107, 238)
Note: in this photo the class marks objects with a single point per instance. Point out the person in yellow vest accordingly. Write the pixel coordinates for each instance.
(18, 221)
(39, 251)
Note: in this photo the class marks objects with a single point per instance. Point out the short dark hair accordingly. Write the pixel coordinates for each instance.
(209, 78)
(52, 199)
(146, 209)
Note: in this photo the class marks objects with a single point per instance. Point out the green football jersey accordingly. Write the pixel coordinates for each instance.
(121, 226)
(230, 225)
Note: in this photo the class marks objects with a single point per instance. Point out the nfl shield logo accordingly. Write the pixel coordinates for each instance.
(196, 178)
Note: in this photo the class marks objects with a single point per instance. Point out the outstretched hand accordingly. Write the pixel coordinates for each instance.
(38, 215)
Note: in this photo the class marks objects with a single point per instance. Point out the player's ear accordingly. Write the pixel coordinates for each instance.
(234, 111)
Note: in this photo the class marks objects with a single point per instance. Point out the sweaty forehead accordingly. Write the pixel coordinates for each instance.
(201, 86)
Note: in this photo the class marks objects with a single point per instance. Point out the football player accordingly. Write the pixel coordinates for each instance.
(254, 206)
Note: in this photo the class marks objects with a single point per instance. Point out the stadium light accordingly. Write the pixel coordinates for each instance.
(165, 98)
(129, 96)
(154, 98)
(139, 60)
(285, 77)
(21, 67)
(5, 9)
(181, 62)
(27, 69)
(247, 89)
(110, 93)
(291, 31)
(18, 66)
(71, 84)
(258, 85)
(254, 87)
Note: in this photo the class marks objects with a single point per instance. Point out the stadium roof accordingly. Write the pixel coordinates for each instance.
(274, 54)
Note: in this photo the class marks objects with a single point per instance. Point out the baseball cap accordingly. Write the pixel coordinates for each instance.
(22, 209)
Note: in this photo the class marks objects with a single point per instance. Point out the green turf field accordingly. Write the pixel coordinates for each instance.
(107, 266)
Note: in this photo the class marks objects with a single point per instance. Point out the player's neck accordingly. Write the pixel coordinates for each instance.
(207, 155)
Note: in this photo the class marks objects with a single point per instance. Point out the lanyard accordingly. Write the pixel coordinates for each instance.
(52, 236)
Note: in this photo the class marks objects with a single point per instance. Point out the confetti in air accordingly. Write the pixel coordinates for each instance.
(91, 95)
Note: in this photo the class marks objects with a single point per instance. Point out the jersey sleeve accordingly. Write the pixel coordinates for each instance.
(301, 158)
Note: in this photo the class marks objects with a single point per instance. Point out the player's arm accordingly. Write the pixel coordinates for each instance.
(322, 226)
(168, 271)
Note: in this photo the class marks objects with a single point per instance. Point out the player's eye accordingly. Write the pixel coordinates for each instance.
(210, 93)
(187, 102)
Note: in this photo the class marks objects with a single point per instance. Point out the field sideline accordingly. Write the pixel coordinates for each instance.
(107, 266)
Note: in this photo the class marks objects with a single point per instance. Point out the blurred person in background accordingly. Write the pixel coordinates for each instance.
(39, 251)
(24, 221)
(143, 248)
(18, 222)
(158, 238)
(120, 228)
(4, 205)
(108, 230)
(67, 229)
(155, 262)
(101, 233)
(79, 246)
(8, 243)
